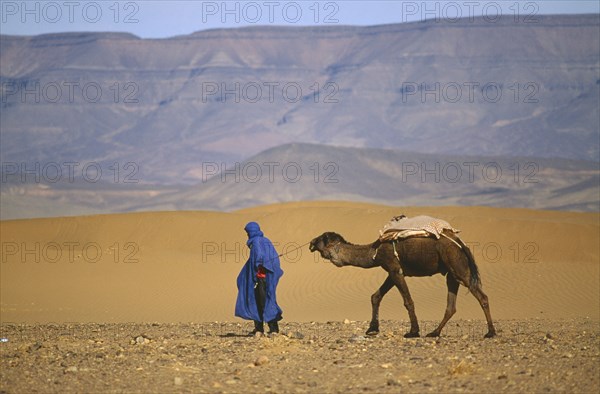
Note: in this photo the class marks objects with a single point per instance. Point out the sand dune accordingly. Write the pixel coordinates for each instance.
(182, 266)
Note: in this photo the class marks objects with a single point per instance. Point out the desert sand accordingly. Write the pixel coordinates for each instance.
(182, 266)
(174, 273)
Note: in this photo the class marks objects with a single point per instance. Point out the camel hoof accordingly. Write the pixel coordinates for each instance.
(433, 334)
(373, 328)
(411, 335)
(490, 334)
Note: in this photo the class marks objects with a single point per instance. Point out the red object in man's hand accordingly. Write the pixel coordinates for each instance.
(261, 273)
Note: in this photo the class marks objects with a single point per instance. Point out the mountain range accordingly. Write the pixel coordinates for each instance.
(304, 172)
(167, 113)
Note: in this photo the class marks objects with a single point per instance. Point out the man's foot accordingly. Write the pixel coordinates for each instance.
(256, 333)
(258, 329)
(273, 327)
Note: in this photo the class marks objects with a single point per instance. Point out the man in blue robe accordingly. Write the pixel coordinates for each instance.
(257, 282)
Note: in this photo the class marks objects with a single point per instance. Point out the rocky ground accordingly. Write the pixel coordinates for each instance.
(527, 356)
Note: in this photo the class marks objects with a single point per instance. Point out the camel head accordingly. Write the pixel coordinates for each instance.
(327, 245)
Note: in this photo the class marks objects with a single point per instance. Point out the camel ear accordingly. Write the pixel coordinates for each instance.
(328, 238)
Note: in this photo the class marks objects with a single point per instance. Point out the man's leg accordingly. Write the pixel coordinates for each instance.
(260, 293)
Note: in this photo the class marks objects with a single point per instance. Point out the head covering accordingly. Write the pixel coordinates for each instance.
(253, 230)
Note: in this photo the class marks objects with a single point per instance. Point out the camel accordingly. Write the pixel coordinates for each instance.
(417, 256)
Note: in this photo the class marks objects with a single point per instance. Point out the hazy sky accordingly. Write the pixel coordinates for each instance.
(160, 18)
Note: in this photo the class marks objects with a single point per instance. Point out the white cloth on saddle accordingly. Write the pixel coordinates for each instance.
(404, 227)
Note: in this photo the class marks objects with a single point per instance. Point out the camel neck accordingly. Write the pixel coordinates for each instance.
(356, 255)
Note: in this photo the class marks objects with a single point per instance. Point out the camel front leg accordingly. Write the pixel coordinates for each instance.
(400, 283)
(375, 302)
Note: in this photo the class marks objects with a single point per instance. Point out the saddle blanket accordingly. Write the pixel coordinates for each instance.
(418, 226)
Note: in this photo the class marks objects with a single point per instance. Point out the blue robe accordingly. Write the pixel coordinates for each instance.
(262, 252)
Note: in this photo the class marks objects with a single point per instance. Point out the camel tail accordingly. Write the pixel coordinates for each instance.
(475, 280)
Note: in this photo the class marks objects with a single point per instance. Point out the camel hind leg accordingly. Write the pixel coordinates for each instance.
(453, 285)
(475, 289)
(468, 275)
(483, 301)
